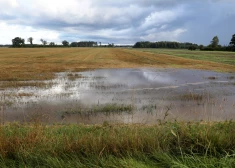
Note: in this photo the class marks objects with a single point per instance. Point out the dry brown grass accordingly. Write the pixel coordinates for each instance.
(41, 63)
(17, 84)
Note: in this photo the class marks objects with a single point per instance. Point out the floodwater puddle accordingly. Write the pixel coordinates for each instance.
(122, 96)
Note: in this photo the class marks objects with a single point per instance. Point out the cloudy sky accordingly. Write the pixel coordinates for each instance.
(117, 21)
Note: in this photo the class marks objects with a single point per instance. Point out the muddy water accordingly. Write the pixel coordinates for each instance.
(124, 96)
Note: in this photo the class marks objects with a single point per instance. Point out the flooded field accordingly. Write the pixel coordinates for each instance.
(121, 96)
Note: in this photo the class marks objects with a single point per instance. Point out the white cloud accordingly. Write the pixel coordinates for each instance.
(159, 18)
(8, 32)
(5, 4)
(112, 21)
(164, 35)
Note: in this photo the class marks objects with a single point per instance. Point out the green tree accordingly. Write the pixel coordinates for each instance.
(17, 42)
(215, 42)
(52, 43)
(65, 43)
(73, 44)
(192, 47)
(138, 45)
(232, 42)
(30, 40)
(44, 42)
(201, 47)
(111, 45)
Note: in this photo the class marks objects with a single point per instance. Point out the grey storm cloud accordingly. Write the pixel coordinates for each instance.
(118, 21)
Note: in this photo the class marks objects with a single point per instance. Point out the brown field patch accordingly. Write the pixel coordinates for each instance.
(42, 63)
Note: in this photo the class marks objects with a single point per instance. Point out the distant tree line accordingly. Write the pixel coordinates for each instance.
(164, 44)
(18, 42)
(213, 46)
(7, 45)
(84, 44)
(89, 44)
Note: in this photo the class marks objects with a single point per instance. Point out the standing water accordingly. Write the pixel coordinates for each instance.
(123, 96)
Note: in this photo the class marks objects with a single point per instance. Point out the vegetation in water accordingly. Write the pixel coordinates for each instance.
(106, 109)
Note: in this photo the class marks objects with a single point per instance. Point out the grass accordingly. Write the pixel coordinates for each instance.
(25, 94)
(213, 56)
(73, 77)
(42, 63)
(167, 145)
(192, 96)
(18, 84)
(231, 77)
(149, 108)
(106, 109)
(212, 77)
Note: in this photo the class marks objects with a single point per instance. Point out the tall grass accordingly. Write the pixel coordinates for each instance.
(170, 144)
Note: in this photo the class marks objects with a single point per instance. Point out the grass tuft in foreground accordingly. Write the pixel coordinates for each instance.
(167, 145)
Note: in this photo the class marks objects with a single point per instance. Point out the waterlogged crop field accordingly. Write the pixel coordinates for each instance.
(39, 64)
(96, 85)
(114, 107)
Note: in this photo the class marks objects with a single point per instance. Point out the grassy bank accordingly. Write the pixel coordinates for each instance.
(166, 145)
(41, 63)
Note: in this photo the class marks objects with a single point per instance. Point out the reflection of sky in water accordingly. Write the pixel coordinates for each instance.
(117, 86)
(95, 83)
(132, 78)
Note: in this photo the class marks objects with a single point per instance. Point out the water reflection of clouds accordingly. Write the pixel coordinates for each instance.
(116, 86)
(157, 77)
(134, 77)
